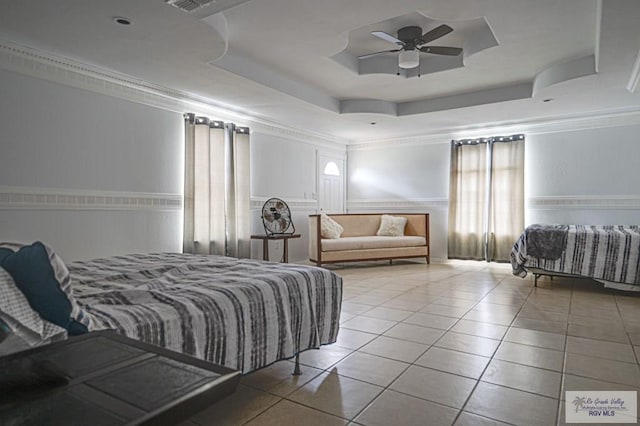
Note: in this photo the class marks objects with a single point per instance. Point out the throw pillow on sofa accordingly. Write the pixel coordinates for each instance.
(391, 226)
(329, 228)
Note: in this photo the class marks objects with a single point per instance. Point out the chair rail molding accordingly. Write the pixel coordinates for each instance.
(396, 205)
(28, 198)
(584, 202)
(297, 203)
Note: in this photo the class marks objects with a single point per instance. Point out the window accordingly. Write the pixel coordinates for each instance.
(331, 169)
(486, 201)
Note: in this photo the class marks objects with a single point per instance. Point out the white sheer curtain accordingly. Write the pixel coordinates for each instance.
(486, 197)
(217, 192)
(238, 192)
(467, 200)
(506, 218)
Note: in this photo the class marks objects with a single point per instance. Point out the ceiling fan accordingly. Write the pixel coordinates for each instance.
(411, 42)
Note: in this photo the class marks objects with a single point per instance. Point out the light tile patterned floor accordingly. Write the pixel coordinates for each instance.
(462, 343)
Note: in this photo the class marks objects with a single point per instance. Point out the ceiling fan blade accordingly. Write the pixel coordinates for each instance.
(387, 37)
(436, 33)
(377, 53)
(441, 50)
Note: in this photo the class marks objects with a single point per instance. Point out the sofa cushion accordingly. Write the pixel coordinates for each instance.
(329, 228)
(369, 242)
(391, 226)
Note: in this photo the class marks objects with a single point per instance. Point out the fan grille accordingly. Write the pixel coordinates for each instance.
(276, 217)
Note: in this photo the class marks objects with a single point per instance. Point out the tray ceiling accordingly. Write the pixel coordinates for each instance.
(295, 61)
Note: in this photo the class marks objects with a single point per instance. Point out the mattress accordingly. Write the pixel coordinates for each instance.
(609, 254)
(240, 313)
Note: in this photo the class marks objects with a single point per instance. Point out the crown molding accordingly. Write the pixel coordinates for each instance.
(613, 118)
(47, 66)
(634, 78)
(585, 202)
(29, 198)
(300, 136)
(427, 139)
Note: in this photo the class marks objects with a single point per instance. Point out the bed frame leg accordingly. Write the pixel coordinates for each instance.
(535, 279)
(296, 369)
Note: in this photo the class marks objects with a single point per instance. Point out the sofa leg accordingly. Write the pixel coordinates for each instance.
(390, 261)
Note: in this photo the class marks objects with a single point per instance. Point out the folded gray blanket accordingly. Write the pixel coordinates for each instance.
(546, 241)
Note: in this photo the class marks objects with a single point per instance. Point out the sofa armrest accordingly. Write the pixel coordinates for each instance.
(314, 238)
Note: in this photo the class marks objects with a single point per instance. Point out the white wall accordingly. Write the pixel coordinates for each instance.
(403, 178)
(402, 172)
(280, 167)
(584, 176)
(58, 140)
(575, 176)
(284, 168)
(95, 175)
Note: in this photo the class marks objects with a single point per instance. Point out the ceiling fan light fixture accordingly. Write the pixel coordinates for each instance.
(408, 59)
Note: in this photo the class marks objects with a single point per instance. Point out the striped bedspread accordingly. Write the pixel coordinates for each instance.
(240, 313)
(610, 254)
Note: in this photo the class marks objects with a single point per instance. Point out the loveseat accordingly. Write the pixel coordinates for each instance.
(358, 240)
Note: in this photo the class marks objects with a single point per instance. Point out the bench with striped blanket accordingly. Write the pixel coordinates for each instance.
(609, 254)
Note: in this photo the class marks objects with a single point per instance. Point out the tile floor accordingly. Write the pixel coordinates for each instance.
(462, 343)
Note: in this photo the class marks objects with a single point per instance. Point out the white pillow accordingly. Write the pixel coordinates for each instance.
(329, 228)
(26, 327)
(391, 226)
(15, 305)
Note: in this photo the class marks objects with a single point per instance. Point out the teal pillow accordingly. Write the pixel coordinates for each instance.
(4, 252)
(31, 270)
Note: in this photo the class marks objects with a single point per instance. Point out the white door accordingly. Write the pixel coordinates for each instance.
(330, 183)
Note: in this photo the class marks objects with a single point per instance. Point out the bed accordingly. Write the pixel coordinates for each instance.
(239, 313)
(609, 254)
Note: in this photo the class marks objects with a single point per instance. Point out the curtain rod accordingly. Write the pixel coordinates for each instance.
(191, 118)
(491, 139)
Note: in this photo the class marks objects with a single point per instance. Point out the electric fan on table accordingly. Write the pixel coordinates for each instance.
(276, 217)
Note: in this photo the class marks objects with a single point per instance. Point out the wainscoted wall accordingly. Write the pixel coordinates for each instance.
(573, 174)
(298, 247)
(403, 178)
(92, 161)
(284, 166)
(91, 174)
(584, 176)
(436, 207)
(93, 225)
